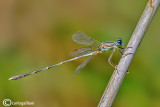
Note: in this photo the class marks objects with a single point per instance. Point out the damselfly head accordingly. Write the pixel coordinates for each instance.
(119, 42)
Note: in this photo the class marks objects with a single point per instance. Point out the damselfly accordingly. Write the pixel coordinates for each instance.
(90, 51)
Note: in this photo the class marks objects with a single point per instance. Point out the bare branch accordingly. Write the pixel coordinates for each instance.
(120, 71)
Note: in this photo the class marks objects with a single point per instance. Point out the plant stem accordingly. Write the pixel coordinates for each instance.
(121, 70)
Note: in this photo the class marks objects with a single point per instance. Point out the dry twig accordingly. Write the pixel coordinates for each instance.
(120, 71)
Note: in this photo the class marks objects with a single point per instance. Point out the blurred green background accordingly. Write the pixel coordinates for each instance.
(38, 33)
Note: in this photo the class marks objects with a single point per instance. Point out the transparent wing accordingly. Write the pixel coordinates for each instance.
(82, 38)
(86, 52)
(82, 65)
(84, 49)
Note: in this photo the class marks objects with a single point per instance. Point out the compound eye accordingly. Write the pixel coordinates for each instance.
(119, 41)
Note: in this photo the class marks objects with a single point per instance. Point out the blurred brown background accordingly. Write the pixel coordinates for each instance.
(38, 33)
